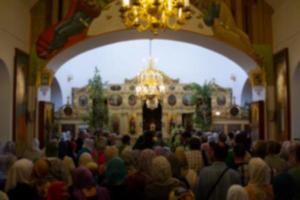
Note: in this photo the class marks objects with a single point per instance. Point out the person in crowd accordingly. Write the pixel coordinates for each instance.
(58, 191)
(215, 180)
(194, 155)
(240, 163)
(18, 184)
(98, 153)
(79, 141)
(114, 181)
(288, 153)
(130, 161)
(85, 188)
(87, 147)
(3, 196)
(284, 186)
(163, 182)
(40, 177)
(33, 151)
(145, 141)
(125, 145)
(237, 192)
(259, 149)
(137, 181)
(69, 166)
(84, 159)
(295, 172)
(176, 170)
(57, 170)
(159, 140)
(111, 152)
(51, 150)
(7, 159)
(273, 159)
(189, 174)
(181, 193)
(259, 187)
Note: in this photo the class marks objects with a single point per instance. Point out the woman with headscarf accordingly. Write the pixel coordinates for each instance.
(33, 151)
(189, 174)
(176, 170)
(58, 171)
(136, 183)
(163, 182)
(18, 184)
(237, 192)
(88, 146)
(58, 191)
(130, 161)
(85, 187)
(111, 152)
(7, 159)
(40, 177)
(259, 187)
(114, 181)
(69, 166)
(84, 159)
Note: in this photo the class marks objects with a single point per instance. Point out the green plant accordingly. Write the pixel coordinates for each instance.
(201, 98)
(98, 113)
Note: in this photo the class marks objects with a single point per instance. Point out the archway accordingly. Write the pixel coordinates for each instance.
(5, 102)
(295, 99)
(234, 54)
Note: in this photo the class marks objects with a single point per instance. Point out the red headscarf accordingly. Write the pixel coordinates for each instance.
(57, 191)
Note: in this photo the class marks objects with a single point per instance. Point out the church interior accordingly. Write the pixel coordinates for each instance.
(150, 99)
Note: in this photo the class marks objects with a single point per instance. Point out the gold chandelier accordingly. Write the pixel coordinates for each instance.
(150, 87)
(155, 14)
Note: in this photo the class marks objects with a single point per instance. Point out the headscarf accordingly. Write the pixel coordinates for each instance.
(69, 166)
(129, 160)
(237, 192)
(3, 196)
(41, 169)
(57, 170)
(161, 169)
(57, 191)
(82, 177)
(145, 161)
(175, 166)
(115, 171)
(20, 172)
(85, 158)
(259, 172)
(111, 152)
(89, 144)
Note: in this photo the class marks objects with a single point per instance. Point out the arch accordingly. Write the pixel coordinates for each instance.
(246, 93)
(295, 99)
(5, 102)
(56, 94)
(234, 54)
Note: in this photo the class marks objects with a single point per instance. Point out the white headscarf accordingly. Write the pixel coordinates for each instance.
(259, 172)
(237, 192)
(20, 172)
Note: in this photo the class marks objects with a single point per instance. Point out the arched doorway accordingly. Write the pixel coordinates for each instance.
(234, 54)
(152, 118)
(5, 102)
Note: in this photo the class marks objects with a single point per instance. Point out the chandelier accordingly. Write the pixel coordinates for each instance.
(150, 87)
(155, 14)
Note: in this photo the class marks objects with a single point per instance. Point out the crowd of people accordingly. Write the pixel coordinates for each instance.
(188, 165)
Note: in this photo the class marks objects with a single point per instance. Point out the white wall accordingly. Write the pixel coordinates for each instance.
(14, 33)
(286, 30)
